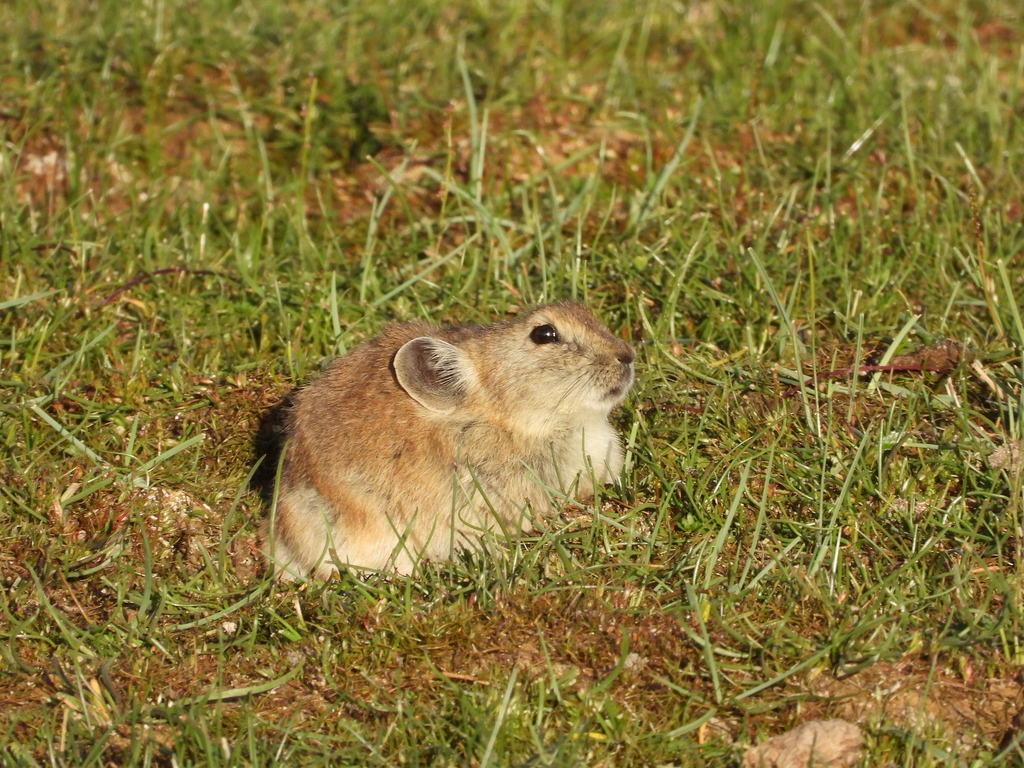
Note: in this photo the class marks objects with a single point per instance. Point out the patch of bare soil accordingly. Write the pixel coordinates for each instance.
(966, 709)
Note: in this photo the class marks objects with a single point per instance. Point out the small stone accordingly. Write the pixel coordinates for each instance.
(815, 744)
(1006, 456)
(633, 664)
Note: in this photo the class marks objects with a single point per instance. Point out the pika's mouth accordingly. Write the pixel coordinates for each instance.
(619, 390)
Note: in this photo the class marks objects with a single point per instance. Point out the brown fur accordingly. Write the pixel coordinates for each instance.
(401, 451)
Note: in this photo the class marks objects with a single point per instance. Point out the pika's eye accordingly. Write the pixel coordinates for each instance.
(544, 334)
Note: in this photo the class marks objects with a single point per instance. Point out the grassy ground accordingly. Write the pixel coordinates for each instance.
(202, 201)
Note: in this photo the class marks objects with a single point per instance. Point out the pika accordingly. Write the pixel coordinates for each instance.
(417, 442)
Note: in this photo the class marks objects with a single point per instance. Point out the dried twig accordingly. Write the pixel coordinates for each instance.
(145, 276)
(862, 369)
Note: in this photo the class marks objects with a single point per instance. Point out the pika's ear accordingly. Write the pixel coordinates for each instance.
(433, 372)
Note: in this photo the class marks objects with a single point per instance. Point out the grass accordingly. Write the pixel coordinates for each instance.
(203, 201)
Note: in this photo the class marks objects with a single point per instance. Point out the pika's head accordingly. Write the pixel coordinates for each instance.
(552, 366)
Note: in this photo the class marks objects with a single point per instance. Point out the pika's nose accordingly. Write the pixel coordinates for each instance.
(627, 356)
